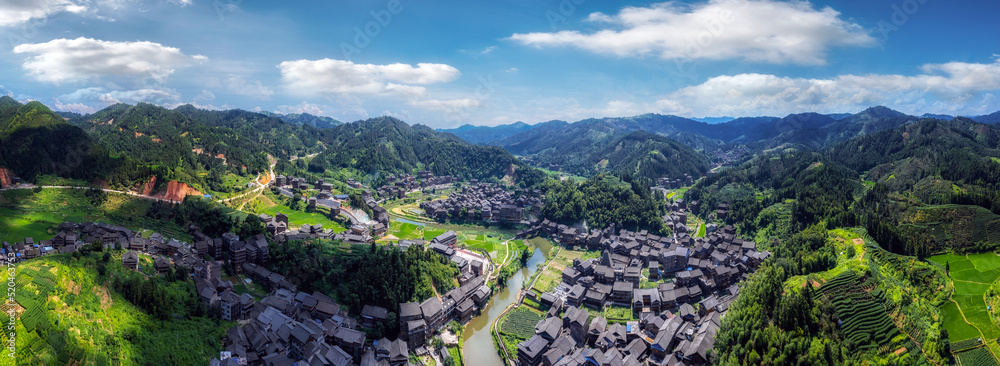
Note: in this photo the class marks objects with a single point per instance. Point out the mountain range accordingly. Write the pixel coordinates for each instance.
(585, 147)
(127, 143)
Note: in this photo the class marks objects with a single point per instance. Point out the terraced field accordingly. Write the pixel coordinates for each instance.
(967, 315)
(977, 357)
(520, 323)
(862, 309)
(67, 316)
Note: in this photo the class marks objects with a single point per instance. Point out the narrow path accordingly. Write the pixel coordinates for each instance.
(518, 302)
(981, 335)
(103, 189)
(262, 186)
(981, 283)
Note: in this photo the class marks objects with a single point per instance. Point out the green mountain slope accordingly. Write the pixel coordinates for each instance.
(488, 135)
(645, 155)
(35, 141)
(386, 145)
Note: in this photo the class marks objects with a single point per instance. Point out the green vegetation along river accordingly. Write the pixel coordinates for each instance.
(478, 344)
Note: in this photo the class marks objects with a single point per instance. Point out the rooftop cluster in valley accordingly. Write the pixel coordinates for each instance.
(690, 284)
(289, 327)
(399, 186)
(362, 230)
(485, 202)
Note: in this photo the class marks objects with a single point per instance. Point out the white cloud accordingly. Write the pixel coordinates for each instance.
(487, 50)
(760, 31)
(74, 107)
(98, 95)
(304, 107)
(182, 2)
(954, 88)
(512, 70)
(16, 12)
(5, 91)
(84, 59)
(236, 85)
(327, 76)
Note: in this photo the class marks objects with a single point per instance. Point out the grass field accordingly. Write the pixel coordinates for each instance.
(405, 230)
(549, 279)
(24, 213)
(972, 275)
(68, 317)
(955, 324)
(298, 218)
(455, 355)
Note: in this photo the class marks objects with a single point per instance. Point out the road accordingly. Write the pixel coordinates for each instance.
(258, 190)
(260, 187)
(31, 186)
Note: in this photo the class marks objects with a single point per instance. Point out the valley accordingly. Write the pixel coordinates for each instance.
(377, 240)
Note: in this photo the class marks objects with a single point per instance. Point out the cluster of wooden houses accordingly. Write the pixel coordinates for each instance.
(398, 186)
(295, 328)
(380, 216)
(674, 183)
(324, 197)
(690, 283)
(485, 202)
(68, 240)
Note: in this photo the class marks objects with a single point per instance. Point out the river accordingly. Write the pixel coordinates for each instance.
(478, 344)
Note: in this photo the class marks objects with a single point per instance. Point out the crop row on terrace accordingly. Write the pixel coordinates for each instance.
(966, 344)
(976, 357)
(520, 323)
(861, 309)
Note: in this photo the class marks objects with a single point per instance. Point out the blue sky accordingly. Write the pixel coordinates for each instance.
(449, 63)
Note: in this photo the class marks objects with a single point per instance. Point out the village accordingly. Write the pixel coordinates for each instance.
(694, 282)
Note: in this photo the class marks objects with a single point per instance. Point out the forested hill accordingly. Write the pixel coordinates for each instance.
(928, 139)
(386, 145)
(306, 119)
(193, 138)
(595, 131)
(36, 141)
(639, 154)
(989, 118)
(815, 132)
(486, 135)
(614, 145)
(904, 185)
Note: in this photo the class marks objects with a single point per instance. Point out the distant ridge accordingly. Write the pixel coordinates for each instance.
(714, 120)
(992, 118)
(486, 135)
